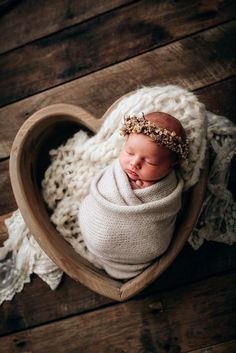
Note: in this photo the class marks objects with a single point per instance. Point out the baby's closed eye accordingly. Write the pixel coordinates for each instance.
(155, 164)
(129, 152)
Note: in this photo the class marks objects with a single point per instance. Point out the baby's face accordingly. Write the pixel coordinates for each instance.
(143, 159)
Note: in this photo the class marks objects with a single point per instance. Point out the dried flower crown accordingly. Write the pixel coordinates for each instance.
(164, 137)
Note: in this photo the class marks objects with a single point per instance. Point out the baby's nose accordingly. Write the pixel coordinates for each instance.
(135, 162)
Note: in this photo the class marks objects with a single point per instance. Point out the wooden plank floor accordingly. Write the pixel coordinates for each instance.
(89, 53)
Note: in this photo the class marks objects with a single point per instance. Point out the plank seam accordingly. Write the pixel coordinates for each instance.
(71, 26)
(119, 62)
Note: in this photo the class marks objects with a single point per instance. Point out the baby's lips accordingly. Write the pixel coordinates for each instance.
(131, 172)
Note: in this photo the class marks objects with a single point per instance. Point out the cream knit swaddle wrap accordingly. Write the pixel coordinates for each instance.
(126, 229)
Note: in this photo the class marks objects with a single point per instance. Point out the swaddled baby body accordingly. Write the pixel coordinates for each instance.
(128, 218)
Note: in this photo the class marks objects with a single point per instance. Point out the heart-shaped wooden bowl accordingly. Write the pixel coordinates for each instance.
(47, 129)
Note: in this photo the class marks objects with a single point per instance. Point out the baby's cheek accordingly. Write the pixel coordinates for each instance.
(153, 173)
(122, 161)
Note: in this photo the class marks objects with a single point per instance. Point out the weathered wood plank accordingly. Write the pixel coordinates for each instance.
(15, 315)
(29, 20)
(68, 299)
(211, 96)
(192, 265)
(204, 313)
(88, 47)
(122, 328)
(3, 229)
(219, 103)
(187, 62)
(226, 347)
(220, 98)
(7, 200)
(193, 315)
(6, 5)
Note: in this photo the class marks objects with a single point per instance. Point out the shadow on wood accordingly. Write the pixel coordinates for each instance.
(47, 129)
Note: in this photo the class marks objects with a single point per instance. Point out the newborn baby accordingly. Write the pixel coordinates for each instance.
(144, 160)
(128, 218)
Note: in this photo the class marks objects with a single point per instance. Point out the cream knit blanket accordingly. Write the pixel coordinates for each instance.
(73, 166)
(126, 229)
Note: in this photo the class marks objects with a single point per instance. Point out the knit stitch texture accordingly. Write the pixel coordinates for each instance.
(126, 229)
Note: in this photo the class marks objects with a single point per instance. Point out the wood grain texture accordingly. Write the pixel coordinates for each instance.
(211, 96)
(6, 5)
(15, 315)
(71, 298)
(7, 200)
(226, 347)
(88, 47)
(201, 314)
(222, 102)
(42, 18)
(220, 98)
(3, 229)
(188, 63)
(170, 322)
(122, 328)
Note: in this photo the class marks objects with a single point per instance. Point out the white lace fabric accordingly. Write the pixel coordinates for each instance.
(73, 166)
(26, 258)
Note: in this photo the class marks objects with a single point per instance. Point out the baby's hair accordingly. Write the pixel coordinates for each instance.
(169, 122)
(162, 128)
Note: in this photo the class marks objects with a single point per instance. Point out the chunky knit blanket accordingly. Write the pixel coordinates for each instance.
(74, 165)
(126, 229)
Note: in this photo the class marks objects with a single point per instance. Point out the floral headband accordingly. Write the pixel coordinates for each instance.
(175, 143)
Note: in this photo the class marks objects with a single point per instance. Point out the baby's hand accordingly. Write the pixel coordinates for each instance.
(136, 184)
(144, 184)
(140, 184)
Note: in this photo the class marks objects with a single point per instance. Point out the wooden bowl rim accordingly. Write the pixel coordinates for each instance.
(82, 270)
